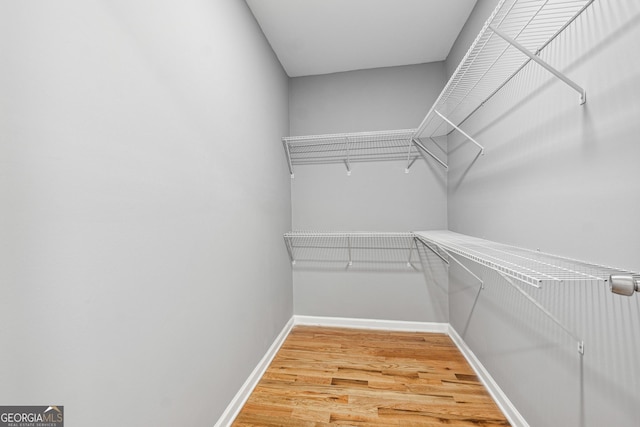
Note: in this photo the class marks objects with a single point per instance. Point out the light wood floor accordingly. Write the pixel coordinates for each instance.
(334, 376)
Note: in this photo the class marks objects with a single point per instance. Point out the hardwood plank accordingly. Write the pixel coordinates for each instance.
(337, 376)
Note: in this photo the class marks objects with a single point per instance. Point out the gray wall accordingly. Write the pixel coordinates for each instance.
(376, 197)
(144, 196)
(562, 178)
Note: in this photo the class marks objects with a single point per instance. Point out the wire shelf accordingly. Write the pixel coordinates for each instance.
(350, 147)
(491, 61)
(529, 266)
(351, 248)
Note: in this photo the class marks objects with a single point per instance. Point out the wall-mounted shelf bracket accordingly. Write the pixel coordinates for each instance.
(421, 146)
(347, 161)
(460, 130)
(451, 257)
(288, 154)
(534, 57)
(436, 253)
(410, 160)
(545, 311)
(287, 243)
(464, 267)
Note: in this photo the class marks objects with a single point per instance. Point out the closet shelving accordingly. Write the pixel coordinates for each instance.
(346, 148)
(528, 266)
(525, 265)
(352, 248)
(512, 37)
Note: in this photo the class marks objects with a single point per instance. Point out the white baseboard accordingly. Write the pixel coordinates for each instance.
(238, 401)
(492, 387)
(390, 325)
(501, 399)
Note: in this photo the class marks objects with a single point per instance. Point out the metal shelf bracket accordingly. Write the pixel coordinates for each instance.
(546, 312)
(287, 242)
(409, 161)
(534, 57)
(287, 152)
(461, 131)
(464, 267)
(421, 146)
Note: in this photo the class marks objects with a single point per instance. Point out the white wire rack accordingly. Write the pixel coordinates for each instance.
(528, 266)
(511, 38)
(351, 248)
(347, 148)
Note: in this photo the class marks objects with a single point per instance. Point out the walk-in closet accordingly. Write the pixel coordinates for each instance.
(320, 212)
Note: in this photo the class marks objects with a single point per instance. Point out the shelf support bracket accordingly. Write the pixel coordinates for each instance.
(287, 152)
(350, 263)
(410, 255)
(287, 243)
(461, 131)
(409, 162)
(545, 311)
(464, 267)
(546, 66)
(347, 161)
(433, 250)
(421, 146)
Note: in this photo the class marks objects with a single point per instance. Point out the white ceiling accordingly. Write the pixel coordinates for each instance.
(327, 36)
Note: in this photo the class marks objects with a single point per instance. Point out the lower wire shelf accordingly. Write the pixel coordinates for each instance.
(349, 249)
(353, 249)
(399, 249)
(529, 266)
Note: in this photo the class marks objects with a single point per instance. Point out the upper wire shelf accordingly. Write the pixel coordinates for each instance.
(353, 147)
(529, 266)
(513, 36)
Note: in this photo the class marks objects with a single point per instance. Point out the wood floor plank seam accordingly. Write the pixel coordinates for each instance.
(330, 376)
